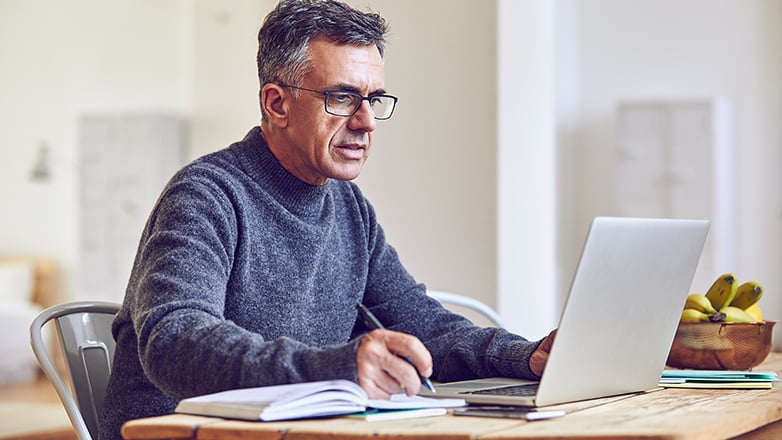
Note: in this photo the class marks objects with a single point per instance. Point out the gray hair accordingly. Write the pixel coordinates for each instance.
(284, 38)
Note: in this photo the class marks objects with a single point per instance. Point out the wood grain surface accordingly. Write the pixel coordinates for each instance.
(662, 414)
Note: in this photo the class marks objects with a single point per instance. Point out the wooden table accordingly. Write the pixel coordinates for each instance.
(663, 414)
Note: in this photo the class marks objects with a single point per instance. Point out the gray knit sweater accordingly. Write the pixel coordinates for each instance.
(246, 276)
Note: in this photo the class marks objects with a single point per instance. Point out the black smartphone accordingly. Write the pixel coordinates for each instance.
(508, 412)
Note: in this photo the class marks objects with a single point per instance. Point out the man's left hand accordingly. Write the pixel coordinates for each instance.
(537, 362)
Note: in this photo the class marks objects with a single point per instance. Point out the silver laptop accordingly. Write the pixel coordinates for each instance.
(620, 318)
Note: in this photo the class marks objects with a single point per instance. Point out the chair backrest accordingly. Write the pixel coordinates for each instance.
(84, 330)
(469, 303)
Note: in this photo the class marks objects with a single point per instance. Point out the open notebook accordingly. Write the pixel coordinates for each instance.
(301, 400)
(620, 318)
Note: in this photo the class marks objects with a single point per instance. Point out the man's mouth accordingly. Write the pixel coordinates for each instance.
(352, 147)
(351, 151)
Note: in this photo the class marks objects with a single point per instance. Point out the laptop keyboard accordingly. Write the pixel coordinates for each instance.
(529, 389)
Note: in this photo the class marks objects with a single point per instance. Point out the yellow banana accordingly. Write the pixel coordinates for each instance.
(722, 292)
(692, 315)
(735, 314)
(755, 311)
(747, 294)
(698, 301)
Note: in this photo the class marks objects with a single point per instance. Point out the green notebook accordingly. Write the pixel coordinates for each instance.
(718, 379)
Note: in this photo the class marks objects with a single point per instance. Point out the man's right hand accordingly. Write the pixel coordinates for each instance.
(381, 372)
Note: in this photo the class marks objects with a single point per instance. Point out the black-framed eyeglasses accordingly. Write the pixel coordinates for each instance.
(345, 103)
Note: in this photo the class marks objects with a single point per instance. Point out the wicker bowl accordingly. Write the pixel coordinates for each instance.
(721, 345)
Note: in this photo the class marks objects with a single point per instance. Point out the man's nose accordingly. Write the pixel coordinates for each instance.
(363, 119)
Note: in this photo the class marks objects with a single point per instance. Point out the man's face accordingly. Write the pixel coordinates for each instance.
(323, 146)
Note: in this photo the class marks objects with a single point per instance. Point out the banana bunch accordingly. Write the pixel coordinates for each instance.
(725, 301)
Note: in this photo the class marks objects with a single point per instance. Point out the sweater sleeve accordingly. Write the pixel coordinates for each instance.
(460, 350)
(186, 345)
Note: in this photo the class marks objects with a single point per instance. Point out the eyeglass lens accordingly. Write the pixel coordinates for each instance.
(347, 104)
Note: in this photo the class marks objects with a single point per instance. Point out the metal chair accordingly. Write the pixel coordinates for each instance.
(469, 303)
(84, 330)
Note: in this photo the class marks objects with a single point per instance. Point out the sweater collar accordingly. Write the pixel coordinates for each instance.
(264, 168)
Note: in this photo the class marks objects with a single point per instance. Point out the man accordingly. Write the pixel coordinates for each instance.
(255, 258)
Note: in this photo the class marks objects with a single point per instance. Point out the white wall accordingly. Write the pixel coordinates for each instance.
(526, 177)
(59, 60)
(679, 49)
(224, 95)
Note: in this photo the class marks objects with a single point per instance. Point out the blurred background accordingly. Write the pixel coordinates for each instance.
(518, 122)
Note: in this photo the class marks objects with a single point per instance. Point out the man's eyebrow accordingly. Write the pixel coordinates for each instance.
(354, 89)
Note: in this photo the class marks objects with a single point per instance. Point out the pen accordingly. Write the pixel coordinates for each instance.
(372, 322)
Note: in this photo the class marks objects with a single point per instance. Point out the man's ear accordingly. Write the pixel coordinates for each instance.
(275, 102)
